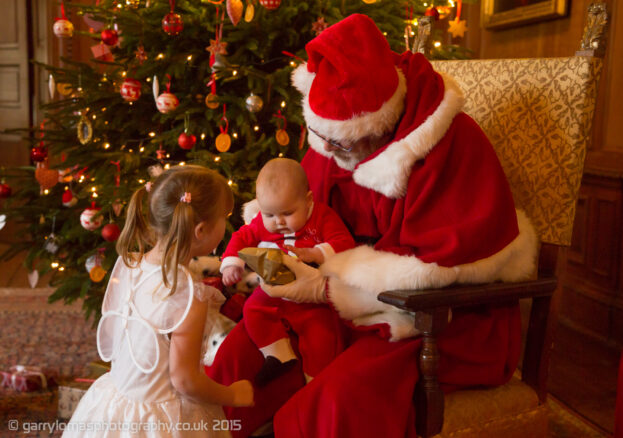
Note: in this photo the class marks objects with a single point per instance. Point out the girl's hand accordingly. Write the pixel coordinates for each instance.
(243, 393)
(232, 275)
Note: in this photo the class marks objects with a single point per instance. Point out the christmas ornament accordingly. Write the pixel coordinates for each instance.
(186, 141)
(102, 51)
(444, 11)
(97, 274)
(69, 200)
(282, 137)
(90, 219)
(254, 103)
(319, 25)
(457, 27)
(111, 232)
(117, 207)
(167, 101)
(249, 13)
(94, 26)
(223, 140)
(51, 86)
(172, 23)
(217, 47)
(63, 28)
(212, 101)
(38, 154)
(161, 153)
(65, 176)
(155, 171)
(2, 221)
(234, 10)
(141, 55)
(155, 88)
(51, 243)
(91, 262)
(270, 4)
(5, 190)
(64, 89)
(110, 37)
(85, 129)
(47, 178)
(130, 90)
(432, 12)
(33, 278)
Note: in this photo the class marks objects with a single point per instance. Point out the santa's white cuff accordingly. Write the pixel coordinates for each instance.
(326, 249)
(231, 261)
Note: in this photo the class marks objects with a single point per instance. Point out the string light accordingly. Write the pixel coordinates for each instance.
(94, 195)
(94, 116)
(152, 134)
(230, 182)
(123, 73)
(437, 44)
(217, 159)
(203, 136)
(148, 79)
(292, 64)
(256, 128)
(166, 166)
(46, 191)
(283, 104)
(234, 73)
(81, 178)
(189, 58)
(182, 163)
(142, 149)
(160, 56)
(141, 181)
(280, 154)
(106, 145)
(235, 135)
(61, 268)
(93, 189)
(54, 265)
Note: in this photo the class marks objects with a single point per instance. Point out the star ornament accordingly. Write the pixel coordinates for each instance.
(140, 54)
(319, 25)
(457, 27)
(217, 46)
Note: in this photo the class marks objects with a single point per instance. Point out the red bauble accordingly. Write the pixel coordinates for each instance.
(68, 199)
(432, 12)
(5, 190)
(111, 232)
(270, 4)
(186, 141)
(130, 90)
(110, 37)
(172, 23)
(38, 154)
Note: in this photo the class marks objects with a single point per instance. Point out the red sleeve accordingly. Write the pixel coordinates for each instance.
(246, 236)
(333, 230)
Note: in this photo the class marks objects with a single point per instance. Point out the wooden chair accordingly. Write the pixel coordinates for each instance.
(538, 115)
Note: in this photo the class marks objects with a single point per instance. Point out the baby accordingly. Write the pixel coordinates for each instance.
(291, 221)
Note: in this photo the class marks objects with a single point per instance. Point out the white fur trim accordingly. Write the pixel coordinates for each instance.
(388, 173)
(231, 261)
(326, 249)
(250, 210)
(376, 123)
(358, 275)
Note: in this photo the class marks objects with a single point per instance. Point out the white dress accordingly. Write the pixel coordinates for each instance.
(137, 398)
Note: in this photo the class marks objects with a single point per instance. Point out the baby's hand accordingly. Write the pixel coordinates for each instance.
(308, 255)
(232, 275)
(243, 393)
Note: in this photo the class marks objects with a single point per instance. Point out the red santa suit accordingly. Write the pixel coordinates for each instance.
(269, 319)
(433, 206)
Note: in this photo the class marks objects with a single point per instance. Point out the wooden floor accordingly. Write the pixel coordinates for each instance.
(583, 376)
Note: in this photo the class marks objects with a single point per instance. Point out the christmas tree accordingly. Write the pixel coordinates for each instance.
(205, 82)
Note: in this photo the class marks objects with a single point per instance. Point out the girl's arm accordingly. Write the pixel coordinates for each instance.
(185, 368)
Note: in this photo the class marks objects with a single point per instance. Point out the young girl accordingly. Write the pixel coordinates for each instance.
(153, 317)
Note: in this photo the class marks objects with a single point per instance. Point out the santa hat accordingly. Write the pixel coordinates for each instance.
(351, 87)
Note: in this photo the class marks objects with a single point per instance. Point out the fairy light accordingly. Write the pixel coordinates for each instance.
(106, 145)
(283, 104)
(203, 136)
(104, 109)
(384, 33)
(437, 44)
(131, 151)
(182, 163)
(94, 116)
(292, 64)
(256, 128)
(166, 166)
(54, 265)
(142, 149)
(280, 154)
(148, 79)
(94, 195)
(168, 155)
(152, 134)
(81, 178)
(189, 58)
(123, 74)
(119, 5)
(160, 56)
(93, 189)
(230, 182)
(217, 159)
(105, 122)
(46, 191)
(235, 135)
(141, 181)
(234, 73)
(61, 268)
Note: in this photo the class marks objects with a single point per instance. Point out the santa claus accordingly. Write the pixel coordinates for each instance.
(421, 189)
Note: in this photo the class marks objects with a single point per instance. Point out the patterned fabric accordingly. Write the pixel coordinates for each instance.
(538, 115)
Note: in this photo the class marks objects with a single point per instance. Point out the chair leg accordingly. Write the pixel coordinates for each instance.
(428, 396)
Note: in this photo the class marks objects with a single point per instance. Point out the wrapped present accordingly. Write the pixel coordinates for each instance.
(27, 378)
(97, 368)
(69, 395)
(215, 282)
(267, 263)
(232, 308)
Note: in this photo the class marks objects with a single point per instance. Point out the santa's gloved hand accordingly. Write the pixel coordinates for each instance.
(309, 286)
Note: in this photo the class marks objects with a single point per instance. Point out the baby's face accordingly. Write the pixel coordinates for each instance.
(284, 212)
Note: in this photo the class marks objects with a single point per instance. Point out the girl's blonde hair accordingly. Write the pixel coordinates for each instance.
(171, 220)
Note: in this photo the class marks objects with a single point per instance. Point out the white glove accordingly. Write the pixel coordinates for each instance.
(309, 286)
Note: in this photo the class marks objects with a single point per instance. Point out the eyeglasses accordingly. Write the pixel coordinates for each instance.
(335, 143)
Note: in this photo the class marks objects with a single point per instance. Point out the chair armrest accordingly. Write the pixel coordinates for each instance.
(469, 295)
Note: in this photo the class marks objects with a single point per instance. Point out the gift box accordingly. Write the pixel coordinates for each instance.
(267, 263)
(69, 395)
(27, 378)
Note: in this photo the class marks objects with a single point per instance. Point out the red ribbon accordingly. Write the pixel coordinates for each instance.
(41, 126)
(224, 131)
(172, 3)
(118, 175)
(169, 83)
(63, 10)
(280, 116)
(459, 3)
(212, 84)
